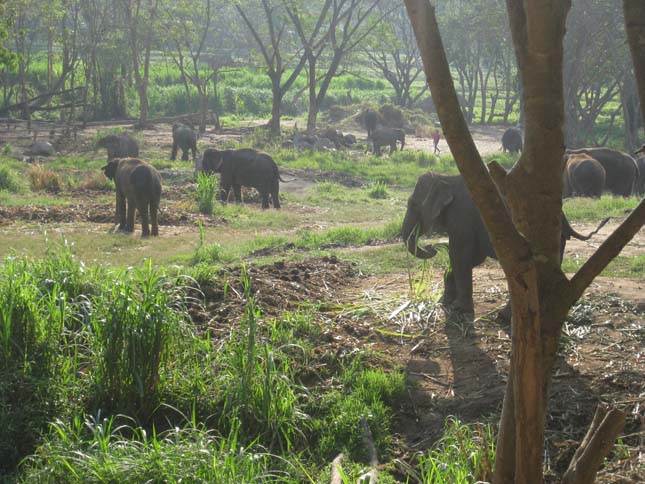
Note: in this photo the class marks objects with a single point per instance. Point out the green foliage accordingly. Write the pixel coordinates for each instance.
(134, 338)
(89, 450)
(9, 180)
(464, 454)
(595, 209)
(206, 190)
(378, 190)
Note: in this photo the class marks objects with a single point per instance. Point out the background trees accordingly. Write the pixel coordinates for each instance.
(177, 52)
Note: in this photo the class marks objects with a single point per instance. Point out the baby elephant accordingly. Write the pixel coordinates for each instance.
(139, 185)
(583, 176)
(245, 167)
(383, 136)
(119, 146)
(184, 137)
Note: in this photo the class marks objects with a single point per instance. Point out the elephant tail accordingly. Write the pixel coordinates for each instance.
(568, 231)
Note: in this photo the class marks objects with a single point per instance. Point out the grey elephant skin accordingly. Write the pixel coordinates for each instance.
(119, 146)
(245, 167)
(583, 176)
(383, 136)
(443, 203)
(512, 140)
(138, 186)
(185, 138)
(620, 169)
(41, 148)
(372, 119)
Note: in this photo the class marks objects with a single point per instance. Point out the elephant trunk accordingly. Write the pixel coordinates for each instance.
(410, 234)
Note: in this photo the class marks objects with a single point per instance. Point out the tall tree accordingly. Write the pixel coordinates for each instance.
(522, 211)
(270, 35)
(340, 26)
(141, 23)
(393, 53)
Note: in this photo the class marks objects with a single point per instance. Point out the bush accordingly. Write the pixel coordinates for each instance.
(98, 182)
(9, 180)
(378, 190)
(41, 178)
(206, 191)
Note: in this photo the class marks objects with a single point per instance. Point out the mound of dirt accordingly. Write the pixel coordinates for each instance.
(97, 213)
(275, 288)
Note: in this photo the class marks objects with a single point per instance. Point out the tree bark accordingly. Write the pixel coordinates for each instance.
(634, 11)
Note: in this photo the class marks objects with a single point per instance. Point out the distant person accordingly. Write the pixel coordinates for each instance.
(436, 136)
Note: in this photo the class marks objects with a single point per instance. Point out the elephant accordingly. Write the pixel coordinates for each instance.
(383, 136)
(442, 202)
(138, 185)
(512, 140)
(244, 167)
(184, 137)
(621, 169)
(639, 188)
(583, 176)
(119, 146)
(372, 119)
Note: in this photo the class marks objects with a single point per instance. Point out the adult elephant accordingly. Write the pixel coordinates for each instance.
(119, 146)
(245, 167)
(583, 176)
(184, 137)
(372, 119)
(383, 136)
(512, 140)
(138, 186)
(639, 188)
(443, 203)
(620, 168)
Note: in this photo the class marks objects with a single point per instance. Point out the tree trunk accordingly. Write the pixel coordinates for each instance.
(203, 98)
(276, 104)
(634, 11)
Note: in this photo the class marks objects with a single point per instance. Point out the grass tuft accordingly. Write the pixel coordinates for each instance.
(206, 190)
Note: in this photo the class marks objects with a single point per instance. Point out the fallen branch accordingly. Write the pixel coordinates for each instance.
(605, 427)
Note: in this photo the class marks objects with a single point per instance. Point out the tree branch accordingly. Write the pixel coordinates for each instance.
(607, 251)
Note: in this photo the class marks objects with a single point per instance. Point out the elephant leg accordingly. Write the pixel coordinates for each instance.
(131, 207)
(237, 190)
(142, 207)
(173, 155)
(194, 150)
(462, 268)
(377, 149)
(392, 147)
(184, 154)
(223, 193)
(449, 288)
(265, 199)
(120, 210)
(154, 208)
(275, 195)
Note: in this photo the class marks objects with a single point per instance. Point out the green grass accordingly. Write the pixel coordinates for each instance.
(593, 209)
(632, 267)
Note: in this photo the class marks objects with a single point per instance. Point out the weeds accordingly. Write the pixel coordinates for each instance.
(378, 190)
(206, 191)
(9, 180)
(44, 179)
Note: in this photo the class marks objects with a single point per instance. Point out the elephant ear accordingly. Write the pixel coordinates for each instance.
(109, 170)
(439, 196)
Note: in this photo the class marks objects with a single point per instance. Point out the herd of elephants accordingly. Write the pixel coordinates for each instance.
(438, 203)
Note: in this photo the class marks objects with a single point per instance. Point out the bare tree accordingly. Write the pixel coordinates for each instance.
(269, 35)
(522, 211)
(346, 25)
(393, 53)
(141, 21)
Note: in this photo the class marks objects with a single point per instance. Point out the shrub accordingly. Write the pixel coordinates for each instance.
(378, 190)
(98, 182)
(206, 191)
(41, 178)
(9, 180)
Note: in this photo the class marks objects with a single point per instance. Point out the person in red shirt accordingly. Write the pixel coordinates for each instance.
(436, 136)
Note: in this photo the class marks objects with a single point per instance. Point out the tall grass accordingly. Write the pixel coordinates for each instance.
(134, 339)
(9, 180)
(206, 190)
(465, 454)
